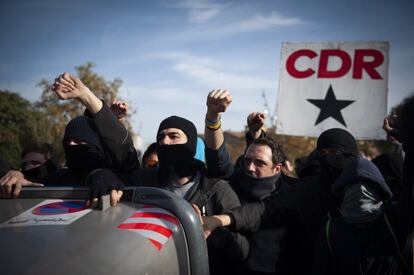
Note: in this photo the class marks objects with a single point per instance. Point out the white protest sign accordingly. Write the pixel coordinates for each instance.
(333, 85)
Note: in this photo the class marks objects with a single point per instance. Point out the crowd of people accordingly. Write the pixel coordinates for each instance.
(343, 214)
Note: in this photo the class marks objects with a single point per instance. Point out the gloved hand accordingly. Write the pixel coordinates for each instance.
(102, 182)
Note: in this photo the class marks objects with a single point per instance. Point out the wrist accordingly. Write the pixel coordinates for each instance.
(210, 115)
(91, 101)
(213, 124)
(255, 134)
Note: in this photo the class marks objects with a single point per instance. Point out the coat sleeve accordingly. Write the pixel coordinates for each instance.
(229, 243)
(117, 141)
(278, 210)
(219, 162)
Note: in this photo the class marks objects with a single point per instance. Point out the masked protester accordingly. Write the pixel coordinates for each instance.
(361, 239)
(305, 205)
(181, 173)
(94, 141)
(38, 162)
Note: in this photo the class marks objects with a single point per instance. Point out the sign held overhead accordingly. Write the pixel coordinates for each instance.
(333, 85)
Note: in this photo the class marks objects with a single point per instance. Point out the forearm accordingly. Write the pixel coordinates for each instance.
(91, 102)
(213, 138)
(219, 162)
(222, 220)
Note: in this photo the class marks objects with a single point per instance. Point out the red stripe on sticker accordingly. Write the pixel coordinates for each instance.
(155, 243)
(163, 216)
(147, 226)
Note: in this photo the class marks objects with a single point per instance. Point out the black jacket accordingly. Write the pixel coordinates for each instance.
(369, 248)
(118, 149)
(303, 206)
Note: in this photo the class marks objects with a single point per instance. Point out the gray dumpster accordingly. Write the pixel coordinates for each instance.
(49, 231)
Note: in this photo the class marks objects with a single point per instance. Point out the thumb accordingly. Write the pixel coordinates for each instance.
(36, 184)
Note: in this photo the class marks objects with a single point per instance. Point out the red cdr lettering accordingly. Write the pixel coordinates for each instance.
(290, 63)
(369, 67)
(360, 64)
(323, 64)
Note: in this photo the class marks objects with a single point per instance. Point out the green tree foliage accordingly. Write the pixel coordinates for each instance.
(20, 125)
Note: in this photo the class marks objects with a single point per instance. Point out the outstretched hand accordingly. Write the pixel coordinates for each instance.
(217, 101)
(119, 108)
(255, 121)
(210, 223)
(67, 86)
(12, 183)
(390, 127)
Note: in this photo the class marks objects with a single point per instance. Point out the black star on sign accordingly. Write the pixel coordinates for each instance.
(330, 107)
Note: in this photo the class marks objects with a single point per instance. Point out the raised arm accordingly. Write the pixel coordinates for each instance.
(67, 86)
(217, 157)
(114, 135)
(217, 102)
(255, 122)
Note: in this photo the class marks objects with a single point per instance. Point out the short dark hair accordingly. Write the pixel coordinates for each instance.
(278, 155)
(39, 147)
(152, 148)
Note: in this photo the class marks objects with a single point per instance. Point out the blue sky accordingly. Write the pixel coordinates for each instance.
(170, 54)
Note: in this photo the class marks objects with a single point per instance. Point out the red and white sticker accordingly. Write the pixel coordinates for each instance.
(155, 224)
(50, 212)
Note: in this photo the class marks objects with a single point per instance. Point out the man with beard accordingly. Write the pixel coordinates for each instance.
(257, 175)
(305, 205)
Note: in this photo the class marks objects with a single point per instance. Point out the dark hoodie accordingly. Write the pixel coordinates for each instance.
(360, 239)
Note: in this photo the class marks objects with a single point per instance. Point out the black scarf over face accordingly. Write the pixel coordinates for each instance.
(84, 158)
(40, 172)
(253, 189)
(333, 164)
(177, 160)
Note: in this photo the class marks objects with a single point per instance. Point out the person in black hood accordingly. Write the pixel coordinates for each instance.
(82, 145)
(361, 239)
(305, 204)
(38, 161)
(178, 171)
(97, 146)
(336, 147)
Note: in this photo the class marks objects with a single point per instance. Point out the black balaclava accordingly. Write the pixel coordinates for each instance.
(83, 158)
(177, 160)
(341, 140)
(40, 172)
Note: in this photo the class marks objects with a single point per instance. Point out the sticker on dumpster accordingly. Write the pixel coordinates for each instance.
(50, 212)
(155, 224)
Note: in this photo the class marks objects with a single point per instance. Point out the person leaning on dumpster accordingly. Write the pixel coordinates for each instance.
(178, 170)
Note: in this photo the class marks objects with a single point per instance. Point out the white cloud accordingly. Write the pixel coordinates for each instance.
(201, 11)
(264, 22)
(213, 73)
